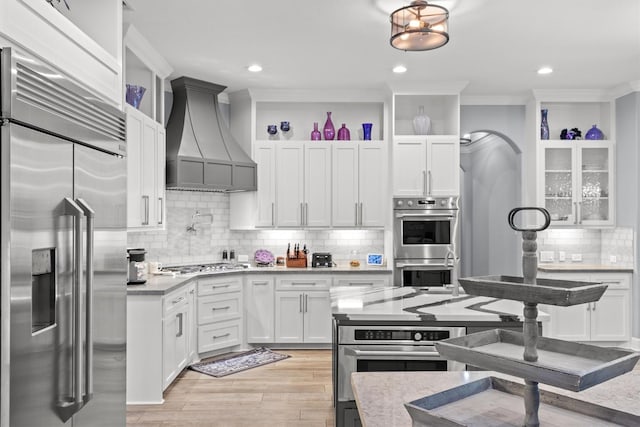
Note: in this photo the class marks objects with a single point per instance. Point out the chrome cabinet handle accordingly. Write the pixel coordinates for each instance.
(220, 308)
(301, 213)
(306, 213)
(260, 283)
(306, 303)
(215, 337)
(179, 316)
(588, 306)
(145, 200)
(214, 287)
(300, 303)
(273, 214)
(71, 208)
(429, 182)
(594, 306)
(580, 213)
(424, 182)
(356, 222)
(360, 213)
(89, 213)
(175, 301)
(161, 213)
(575, 219)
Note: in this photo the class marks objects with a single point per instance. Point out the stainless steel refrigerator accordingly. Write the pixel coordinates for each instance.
(63, 236)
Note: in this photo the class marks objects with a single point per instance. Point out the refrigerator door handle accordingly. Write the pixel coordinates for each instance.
(89, 213)
(71, 208)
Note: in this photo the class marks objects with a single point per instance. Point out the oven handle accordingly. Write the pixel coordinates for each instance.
(446, 266)
(413, 354)
(425, 216)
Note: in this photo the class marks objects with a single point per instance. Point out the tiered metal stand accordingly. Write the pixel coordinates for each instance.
(568, 365)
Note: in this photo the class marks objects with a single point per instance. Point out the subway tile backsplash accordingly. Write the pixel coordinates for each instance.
(596, 246)
(177, 245)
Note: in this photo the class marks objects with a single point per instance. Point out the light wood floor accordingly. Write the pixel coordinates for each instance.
(293, 392)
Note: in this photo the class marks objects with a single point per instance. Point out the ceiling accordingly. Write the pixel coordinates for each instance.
(496, 46)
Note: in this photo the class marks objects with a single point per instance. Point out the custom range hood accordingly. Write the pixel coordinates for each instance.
(202, 154)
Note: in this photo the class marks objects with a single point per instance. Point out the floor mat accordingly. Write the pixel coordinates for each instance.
(238, 362)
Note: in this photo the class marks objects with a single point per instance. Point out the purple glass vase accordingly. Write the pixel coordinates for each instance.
(315, 133)
(344, 134)
(328, 130)
(134, 95)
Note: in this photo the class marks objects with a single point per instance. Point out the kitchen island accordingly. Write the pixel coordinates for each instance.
(381, 396)
(394, 329)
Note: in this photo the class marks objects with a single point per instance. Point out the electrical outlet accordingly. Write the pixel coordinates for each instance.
(546, 256)
(613, 259)
(562, 256)
(576, 257)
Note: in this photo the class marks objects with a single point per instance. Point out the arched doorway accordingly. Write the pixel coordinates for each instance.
(490, 184)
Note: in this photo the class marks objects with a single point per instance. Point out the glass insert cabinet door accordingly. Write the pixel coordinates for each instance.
(559, 184)
(594, 163)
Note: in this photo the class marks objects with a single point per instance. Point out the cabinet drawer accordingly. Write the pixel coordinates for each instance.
(211, 286)
(176, 298)
(219, 335)
(378, 281)
(212, 308)
(303, 283)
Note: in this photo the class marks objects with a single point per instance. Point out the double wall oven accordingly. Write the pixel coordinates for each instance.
(425, 241)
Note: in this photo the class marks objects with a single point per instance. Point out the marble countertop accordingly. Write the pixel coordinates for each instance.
(580, 267)
(163, 283)
(356, 303)
(381, 395)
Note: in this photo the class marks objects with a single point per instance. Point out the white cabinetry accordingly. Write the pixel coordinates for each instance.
(145, 171)
(259, 312)
(303, 309)
(219, 313)
(606, 320)
(358, 184)
(576, 178)
(370, 280)
(295, 182)
(426, 165)
(178, 327)
(84, 42)
(303, 182)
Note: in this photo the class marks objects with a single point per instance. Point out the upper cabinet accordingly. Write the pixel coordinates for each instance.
(146, 136)
(301, 181)
(575, 178)
(71, 40)
(426, 144)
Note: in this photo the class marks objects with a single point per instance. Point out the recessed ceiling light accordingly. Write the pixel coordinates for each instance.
(545, 70)
(399, 69)
(255, 68)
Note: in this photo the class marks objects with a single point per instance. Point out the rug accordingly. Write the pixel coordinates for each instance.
(238, 362)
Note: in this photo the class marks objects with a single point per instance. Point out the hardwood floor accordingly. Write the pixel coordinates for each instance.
(293, 392)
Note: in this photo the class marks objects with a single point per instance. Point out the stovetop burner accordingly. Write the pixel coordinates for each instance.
(204, 268)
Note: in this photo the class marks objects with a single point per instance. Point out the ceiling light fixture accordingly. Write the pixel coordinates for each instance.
(399, 69)
(419, 26)
(255, 68)
(545, 70)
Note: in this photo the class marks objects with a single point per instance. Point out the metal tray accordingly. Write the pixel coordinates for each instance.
(545, 291)
(568, 365)
(495, 401)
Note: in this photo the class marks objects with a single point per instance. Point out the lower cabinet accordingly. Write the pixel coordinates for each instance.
(219, 313)
(303, 310)
(177, 332)
(606, 320)
(259, 312)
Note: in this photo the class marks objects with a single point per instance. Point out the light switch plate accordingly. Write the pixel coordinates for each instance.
(546, 256)
(562, 256)
(576, 257)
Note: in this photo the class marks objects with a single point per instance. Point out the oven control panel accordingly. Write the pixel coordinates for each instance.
(400, 335)
(430, 203)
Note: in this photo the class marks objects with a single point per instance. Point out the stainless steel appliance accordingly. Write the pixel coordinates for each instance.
(376, 348)
(321, 259)
(136, 267)
(64, 272)
(425, 241)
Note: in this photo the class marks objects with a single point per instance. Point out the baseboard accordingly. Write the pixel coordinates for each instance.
(635, 343)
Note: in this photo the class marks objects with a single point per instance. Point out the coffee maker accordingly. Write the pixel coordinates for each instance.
(137, 269)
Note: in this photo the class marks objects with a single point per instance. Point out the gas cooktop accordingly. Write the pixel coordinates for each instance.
(204, 268)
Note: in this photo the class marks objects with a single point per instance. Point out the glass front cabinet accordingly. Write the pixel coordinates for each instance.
(577, 185)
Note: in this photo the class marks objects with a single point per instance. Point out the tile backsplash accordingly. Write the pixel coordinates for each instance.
(596, 246)
(177, 245)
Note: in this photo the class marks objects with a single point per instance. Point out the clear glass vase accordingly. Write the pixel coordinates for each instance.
(421, 122)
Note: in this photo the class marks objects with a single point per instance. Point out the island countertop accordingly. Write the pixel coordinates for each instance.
(355, 303)
(381, 396)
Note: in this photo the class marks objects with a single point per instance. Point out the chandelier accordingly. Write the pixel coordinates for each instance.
(419, 26)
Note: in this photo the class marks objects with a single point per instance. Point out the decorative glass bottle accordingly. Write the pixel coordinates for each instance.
(544, 125)
(344, 134)
(366, 131)
(315, 133)
(421, 122)
(328, 130)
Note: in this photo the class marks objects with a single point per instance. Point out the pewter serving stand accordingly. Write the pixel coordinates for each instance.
(567, 365)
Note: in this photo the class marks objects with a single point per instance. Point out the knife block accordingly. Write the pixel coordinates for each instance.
(299, 262)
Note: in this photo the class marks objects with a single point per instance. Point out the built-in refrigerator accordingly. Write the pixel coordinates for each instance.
(63, 253)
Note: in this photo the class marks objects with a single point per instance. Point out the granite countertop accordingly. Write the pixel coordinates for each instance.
(580, 267)
(160, 284)
(356, 303)
(381, 395)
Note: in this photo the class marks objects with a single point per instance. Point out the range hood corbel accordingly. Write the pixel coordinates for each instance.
(202, 155)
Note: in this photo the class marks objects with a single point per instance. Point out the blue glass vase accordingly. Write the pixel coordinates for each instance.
(134, 95)
(594, 133)
(544, 125)
(366, 131)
